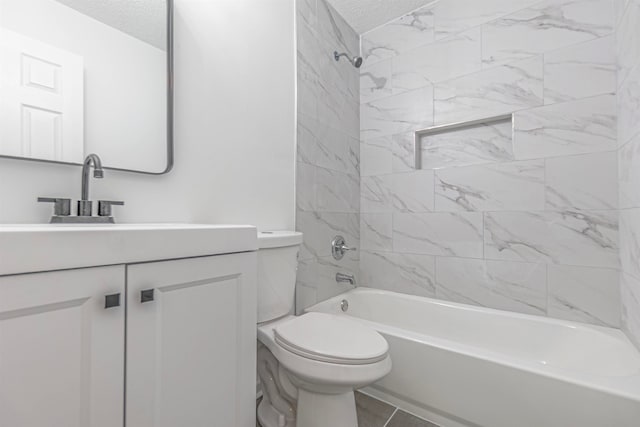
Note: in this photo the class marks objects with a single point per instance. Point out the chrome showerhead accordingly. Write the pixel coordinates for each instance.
(356, 61)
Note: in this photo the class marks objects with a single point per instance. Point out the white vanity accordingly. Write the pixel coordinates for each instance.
(143, 325)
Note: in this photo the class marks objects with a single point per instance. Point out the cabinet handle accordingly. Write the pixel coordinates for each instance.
(112, 300)
(146, 296)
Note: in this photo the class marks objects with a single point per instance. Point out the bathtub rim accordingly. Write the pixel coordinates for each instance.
(627, 387)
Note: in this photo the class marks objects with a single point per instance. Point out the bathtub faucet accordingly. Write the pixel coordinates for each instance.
(345, 278)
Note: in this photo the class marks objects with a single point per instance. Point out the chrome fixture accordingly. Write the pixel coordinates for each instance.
(62, 207)
(104, 207)
(344, 305)
(84, 204)
(345, 278)
(339, 247)
(356, 61)
(452, 127)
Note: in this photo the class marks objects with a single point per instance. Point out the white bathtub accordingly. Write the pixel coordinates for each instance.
(461, 365)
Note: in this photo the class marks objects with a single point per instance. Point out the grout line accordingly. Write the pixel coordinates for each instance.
(484, 236)
(429, 5)
(124, 365)
(389, 420)
(435, 277)
(544, 80)
(481, 30)
(545, 191)
(546, 278)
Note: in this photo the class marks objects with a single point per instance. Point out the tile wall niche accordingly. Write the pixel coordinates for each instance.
(523, 219)
(628, 54)
(327, 176)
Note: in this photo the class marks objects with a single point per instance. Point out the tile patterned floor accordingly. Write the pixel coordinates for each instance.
(376, 413)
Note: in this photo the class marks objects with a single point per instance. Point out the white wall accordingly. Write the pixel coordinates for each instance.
(235, 129)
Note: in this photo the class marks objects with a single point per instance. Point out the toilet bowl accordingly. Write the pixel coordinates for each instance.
(308, 365)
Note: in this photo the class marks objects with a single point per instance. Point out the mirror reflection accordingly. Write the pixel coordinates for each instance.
(85, 76)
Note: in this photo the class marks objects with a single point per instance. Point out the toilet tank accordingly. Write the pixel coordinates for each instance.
(277, 266)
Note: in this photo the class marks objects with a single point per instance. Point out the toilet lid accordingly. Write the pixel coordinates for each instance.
(333, 339)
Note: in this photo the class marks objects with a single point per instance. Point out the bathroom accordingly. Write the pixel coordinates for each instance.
(311, 213)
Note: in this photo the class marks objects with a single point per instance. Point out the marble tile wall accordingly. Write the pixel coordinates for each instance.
(328, 151)
(519, 216)
(627, 43)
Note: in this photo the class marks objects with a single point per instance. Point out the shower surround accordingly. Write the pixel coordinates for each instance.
(628, 53)
(327, 176)
(542, 218)
(522, 219)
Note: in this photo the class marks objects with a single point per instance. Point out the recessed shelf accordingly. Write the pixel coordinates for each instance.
(433, 130)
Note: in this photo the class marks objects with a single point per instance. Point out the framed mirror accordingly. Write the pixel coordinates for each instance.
(87, 76)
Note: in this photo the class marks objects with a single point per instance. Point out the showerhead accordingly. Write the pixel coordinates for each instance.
(356, 61)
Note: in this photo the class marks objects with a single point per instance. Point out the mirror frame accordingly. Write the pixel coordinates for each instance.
(170, 144)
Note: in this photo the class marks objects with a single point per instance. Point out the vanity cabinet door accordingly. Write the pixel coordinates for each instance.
(191, 342)
(61, 350)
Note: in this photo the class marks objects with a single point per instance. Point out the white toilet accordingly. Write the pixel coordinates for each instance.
(308, 365)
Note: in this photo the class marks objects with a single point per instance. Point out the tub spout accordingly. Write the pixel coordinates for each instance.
(345, 278)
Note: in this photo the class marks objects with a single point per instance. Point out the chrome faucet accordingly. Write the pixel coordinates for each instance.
(345, 278)
(62, 207)
(84, 204)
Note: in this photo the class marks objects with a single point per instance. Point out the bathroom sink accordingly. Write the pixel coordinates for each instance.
(28, 248)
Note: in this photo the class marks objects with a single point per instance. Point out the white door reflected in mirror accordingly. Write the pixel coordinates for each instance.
(41, 102)
(85, 76)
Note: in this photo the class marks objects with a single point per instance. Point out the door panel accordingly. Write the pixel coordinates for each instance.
(191, 350)
(61, 351)
(41, 100)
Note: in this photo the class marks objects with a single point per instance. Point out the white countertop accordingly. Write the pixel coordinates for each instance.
(28, 248)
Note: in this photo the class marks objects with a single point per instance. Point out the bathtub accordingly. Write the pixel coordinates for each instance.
(460, 365)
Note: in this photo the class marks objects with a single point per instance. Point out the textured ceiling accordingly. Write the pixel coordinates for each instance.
(365, 15)
(143, 19)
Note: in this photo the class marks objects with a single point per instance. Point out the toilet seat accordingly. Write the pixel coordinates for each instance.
(309, 366)
(319, 372)
(318, 355)
(331, 339)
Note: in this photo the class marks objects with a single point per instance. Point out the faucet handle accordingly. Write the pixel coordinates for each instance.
(104, 206)
(61, 207)
(339, 247)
